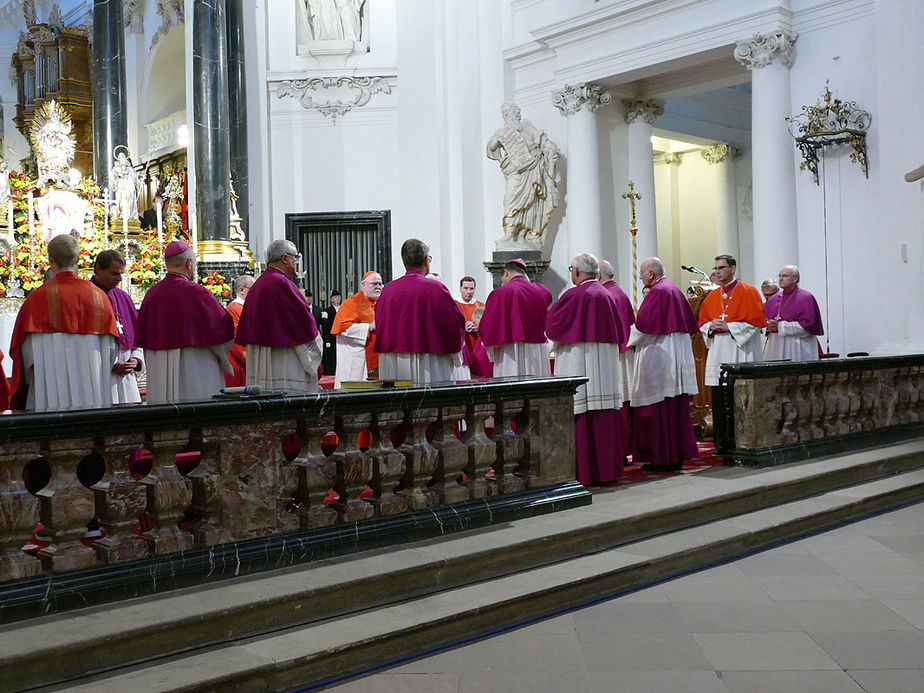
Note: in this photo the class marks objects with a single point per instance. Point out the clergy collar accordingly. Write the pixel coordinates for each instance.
(589, 279)
(238, 299)
(469, 303)
(98, 285)
(731, 285)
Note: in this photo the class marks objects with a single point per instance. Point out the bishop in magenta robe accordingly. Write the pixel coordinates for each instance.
(586, 332)
(185, 333)
(419, 327)
(284, 347)
(107, 274)
(664, 378)
(513, 326)
(793, 321)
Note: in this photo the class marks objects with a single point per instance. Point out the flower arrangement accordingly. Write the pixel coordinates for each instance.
(215, 283)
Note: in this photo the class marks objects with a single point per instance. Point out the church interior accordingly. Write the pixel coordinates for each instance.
(780, 132)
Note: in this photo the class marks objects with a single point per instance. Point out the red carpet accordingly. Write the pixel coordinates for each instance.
(707, 459)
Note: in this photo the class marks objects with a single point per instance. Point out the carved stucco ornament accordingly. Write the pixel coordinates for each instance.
(353, 92)
(574, 97)
(763, 48)
(133, 15)
(172, 14)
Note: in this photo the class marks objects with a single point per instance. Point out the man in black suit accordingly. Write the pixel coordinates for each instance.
(149, 218)
(329, 360)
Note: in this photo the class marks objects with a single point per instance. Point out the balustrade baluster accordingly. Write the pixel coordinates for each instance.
(120, 501)
(317, 475)
(529, 431)
(481, 450)
(453, 456)
(19, 516)
(67, 507)
(354, 468)
(420, 458)
(387, 464)
(169, 494)
(510, 448)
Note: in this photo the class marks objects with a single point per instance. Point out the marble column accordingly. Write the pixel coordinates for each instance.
(722, 157)
(776, 239)
(583, 210)
(237, 101)
(110, 121)
(640, 117)
(211, 138)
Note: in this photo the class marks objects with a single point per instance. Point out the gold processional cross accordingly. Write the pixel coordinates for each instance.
(632, 196)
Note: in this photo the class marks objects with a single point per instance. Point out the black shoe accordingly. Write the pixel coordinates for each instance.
(662, 468)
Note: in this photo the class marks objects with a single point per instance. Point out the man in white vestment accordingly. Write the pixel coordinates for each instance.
(185, 333)
(283, 344)
(354, 327)
(793, 321)
(64, 343)
(731, 319)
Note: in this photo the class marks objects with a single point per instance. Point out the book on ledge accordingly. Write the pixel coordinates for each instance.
(373, 384)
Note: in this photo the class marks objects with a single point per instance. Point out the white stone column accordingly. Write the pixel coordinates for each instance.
(583, 210)
(640, 116)
(776, 239)
(722, 157)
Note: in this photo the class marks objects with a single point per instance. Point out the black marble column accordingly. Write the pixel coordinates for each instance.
(211, 134)
(237, 101)
(110, 121)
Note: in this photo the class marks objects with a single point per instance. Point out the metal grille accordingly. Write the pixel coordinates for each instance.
(337, 248)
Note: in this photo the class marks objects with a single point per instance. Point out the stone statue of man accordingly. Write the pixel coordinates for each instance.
(334, 20)
(528, 159)
(124, 182)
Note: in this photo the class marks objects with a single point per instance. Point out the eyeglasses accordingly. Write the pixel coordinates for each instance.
(721, 268)
(297, 256)
(783, 276)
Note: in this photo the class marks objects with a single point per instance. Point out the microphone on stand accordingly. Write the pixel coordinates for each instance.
(694, 270)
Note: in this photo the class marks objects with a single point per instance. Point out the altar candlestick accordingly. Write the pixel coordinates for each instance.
(160, 226)
(31, 231)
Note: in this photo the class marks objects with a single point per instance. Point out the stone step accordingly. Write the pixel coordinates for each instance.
(441, 576)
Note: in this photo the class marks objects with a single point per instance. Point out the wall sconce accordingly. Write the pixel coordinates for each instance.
(830, 122)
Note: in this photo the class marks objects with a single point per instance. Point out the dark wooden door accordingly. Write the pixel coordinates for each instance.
(338, 248)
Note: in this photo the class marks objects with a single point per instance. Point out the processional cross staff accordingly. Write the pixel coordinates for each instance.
(632, 196)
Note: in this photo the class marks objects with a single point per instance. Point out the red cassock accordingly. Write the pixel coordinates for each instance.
(468, 310)
(237, 354)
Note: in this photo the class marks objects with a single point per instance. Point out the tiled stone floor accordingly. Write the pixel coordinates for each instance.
(839, 612)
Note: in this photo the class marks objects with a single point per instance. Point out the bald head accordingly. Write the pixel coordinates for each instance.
(651, 270)
(607, 273)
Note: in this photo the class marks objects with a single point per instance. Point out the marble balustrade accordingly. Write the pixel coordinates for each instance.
(777, 412)
(169, 478)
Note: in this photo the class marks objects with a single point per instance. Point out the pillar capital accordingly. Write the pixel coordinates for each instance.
(719, 152)
(646, 109)
(575, 97)
(669, 158)
(762, 48)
